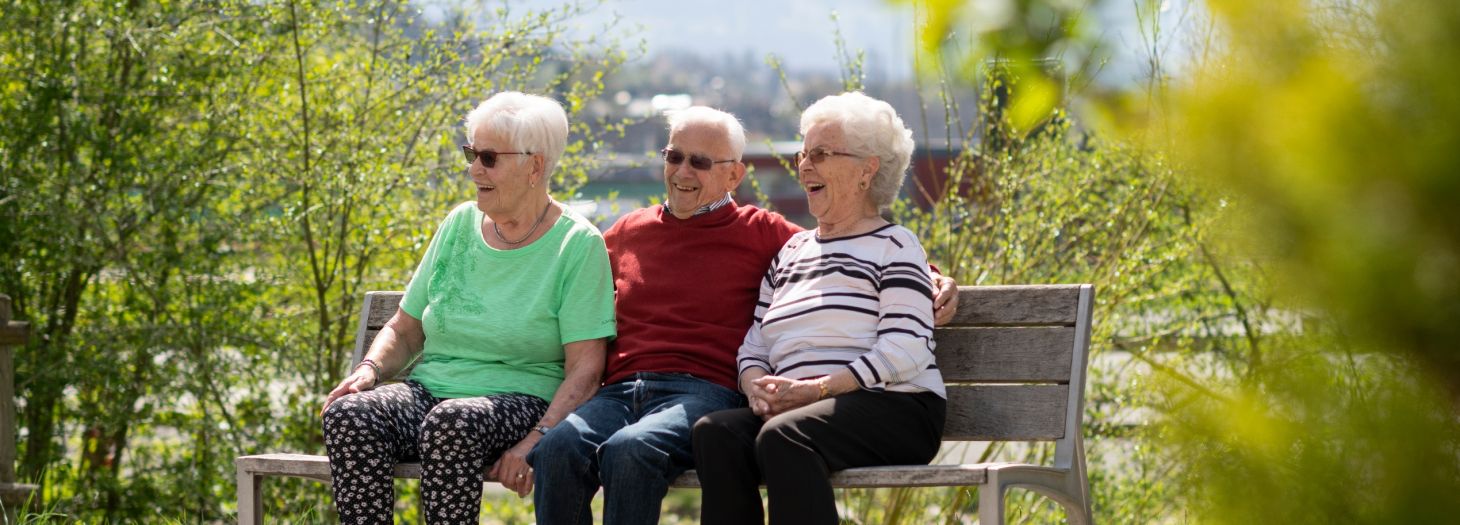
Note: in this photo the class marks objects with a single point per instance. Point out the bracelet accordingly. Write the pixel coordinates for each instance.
(824, 392)
(374, 367)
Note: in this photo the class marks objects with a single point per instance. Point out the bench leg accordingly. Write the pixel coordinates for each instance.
(1062, 488)
(250, 506)
(991, 503)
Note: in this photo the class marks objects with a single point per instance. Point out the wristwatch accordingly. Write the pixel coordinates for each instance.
(542, 429)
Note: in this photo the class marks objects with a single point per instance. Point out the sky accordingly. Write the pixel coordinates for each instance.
(801, 32)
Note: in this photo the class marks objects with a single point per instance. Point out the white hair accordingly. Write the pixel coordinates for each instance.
(532, 123)
(714, 117)
(872, 129)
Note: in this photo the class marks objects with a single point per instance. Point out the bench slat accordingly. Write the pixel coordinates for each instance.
(1024, 305)
(1005, 355)
(1033, 305)
(381, 306)
(893, 476)
(312, 467)
(1006, 412)
(318, 468)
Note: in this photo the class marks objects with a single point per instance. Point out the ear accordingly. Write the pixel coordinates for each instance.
(869, 170)
(737, 174)
(539, 168)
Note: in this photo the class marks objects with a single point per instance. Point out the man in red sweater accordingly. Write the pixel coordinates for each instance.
(687, 276)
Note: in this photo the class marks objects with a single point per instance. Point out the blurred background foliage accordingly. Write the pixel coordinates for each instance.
(195, 195)
(1325, 130)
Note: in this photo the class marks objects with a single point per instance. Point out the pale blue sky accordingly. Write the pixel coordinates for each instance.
(801, 31)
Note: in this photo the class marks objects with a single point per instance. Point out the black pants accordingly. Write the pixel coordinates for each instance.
(367, 433)
(795, 452)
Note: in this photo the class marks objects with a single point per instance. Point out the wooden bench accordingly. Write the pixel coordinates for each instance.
(1014, 359)
(12, 494)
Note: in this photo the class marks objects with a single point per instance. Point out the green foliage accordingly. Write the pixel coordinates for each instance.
(1322, 387)
(1336, 122)
(193, 198)
(1331, 122)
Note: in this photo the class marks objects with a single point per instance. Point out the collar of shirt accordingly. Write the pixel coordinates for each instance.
(706, 208)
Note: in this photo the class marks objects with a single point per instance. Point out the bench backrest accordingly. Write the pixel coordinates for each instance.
(1014, 360)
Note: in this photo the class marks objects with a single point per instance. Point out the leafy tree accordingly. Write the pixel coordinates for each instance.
(196, 194)
(121, 121)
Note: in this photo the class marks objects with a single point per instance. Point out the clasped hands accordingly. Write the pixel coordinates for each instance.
(770, 396)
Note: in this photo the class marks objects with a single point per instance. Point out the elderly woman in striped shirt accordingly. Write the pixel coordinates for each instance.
(838, 365)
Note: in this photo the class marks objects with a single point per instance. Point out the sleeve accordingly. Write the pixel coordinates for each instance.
(904, 346)
(417, 292)
(586, 310)
(754, 352)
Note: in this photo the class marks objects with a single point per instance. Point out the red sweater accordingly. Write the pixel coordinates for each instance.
(686, 288)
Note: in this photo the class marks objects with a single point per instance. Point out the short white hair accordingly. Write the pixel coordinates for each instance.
(532, 123)
(714, 117)
(872, 129)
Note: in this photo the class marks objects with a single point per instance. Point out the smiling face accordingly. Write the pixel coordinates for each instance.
(834, 192)
(688, 188)
(508, 185)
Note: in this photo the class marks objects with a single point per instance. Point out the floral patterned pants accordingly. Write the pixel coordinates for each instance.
(455, 440)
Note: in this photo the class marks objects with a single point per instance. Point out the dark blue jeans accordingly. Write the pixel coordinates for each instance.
(632, 438)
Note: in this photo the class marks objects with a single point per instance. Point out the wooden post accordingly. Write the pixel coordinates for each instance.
(12, 333)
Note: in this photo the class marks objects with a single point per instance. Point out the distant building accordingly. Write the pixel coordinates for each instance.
(633, 180)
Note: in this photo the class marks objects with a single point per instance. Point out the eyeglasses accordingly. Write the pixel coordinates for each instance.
(489, 158)
(819, 155)
(677, 157)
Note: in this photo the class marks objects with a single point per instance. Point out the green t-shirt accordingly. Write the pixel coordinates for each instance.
(496, 320)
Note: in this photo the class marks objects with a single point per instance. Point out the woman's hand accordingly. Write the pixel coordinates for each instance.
(582, 371)
(512, 471)
(755, 395)
(362, 379)
(782, 394)
(401, 338)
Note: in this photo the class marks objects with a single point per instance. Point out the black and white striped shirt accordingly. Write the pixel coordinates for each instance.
(863, 302)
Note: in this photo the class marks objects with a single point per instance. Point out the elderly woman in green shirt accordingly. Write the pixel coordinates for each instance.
(510, 311)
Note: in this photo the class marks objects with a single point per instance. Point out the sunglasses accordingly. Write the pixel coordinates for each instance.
(677, 157)
(489, 158)
(819, 155)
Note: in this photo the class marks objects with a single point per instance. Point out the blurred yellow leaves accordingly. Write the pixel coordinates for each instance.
(1338, 122)
(1014, 35)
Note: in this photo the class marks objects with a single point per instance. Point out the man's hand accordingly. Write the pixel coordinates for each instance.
(945, 302)
(512, 470)
(362, 379)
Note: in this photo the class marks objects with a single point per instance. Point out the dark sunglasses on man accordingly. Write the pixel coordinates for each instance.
(677, 157)
(489, 158)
